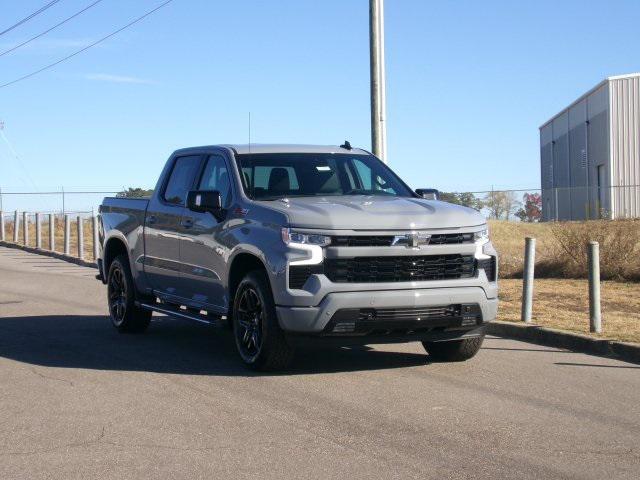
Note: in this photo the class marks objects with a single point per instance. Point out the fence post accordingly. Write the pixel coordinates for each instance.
(556, 202)
(94, 224)
(80, 238)
(25, 228)
(1, 225)
(52, 231)
(595, 320)
(16, 226)
(67, 234)
(527, 279)
(38, 231)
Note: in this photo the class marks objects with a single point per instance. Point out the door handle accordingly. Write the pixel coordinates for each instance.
(187, 222)
(151, 219)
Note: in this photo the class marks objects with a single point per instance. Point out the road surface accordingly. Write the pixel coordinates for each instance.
(78, 400)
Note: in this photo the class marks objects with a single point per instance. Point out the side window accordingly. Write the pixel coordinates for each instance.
(181, 179)
(216, 177)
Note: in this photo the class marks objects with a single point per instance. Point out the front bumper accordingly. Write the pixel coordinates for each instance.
(315, 319)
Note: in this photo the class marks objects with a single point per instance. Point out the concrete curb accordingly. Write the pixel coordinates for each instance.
(48, 253)
(629, 352)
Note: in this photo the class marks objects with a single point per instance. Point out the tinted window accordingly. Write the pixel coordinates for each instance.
(216, 177)
(269, 176)
(181, 179)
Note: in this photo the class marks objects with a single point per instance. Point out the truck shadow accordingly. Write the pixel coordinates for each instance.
(169, 346)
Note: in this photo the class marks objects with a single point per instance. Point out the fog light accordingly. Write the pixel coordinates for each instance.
(344, 327)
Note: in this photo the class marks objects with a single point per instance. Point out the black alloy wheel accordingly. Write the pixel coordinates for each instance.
(117, 290)
(260, 341)
(125, 315)
(250, 319)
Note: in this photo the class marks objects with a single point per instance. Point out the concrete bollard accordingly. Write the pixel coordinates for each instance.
(595, 319)
(94, 224)
(527, 279)
(52, 232)
(16, 226)
(38, 231)
(67, 234)
(25, 228)
(80, 227)
(1, 225)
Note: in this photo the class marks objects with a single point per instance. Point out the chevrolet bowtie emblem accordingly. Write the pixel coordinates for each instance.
(411, 240)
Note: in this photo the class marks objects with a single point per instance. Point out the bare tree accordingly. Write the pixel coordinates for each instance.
(501, 204)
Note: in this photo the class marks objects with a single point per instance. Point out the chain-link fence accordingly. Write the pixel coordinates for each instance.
(553, 204)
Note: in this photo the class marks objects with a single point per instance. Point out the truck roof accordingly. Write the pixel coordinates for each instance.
(278, 148)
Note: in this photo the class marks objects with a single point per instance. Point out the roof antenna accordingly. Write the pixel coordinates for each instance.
(346, 145)
(249, 132)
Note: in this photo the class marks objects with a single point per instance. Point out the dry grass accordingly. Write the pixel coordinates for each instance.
(59, 235)
(561, 248)
(564, 304)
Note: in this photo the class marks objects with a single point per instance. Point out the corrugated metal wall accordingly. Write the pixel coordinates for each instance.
(625, 147)
(598, 151)
(546, 172)
(572, 146)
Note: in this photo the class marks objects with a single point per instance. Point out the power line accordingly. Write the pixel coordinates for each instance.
(24, 77)
(29, 17)
(52, 28)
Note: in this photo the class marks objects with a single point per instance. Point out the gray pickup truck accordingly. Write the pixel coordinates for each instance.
(298, 244)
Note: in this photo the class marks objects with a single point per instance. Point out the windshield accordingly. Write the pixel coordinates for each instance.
(269, 176)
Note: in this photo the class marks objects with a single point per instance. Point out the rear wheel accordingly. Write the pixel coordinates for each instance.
(259, 339)
(454, 350)
(125, 315)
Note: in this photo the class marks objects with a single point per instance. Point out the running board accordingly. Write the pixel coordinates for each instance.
(180, 313)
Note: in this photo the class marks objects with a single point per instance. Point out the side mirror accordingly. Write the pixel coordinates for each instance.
(204, 201)
(428, 193)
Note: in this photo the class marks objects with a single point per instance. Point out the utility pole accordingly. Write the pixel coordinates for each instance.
(378, 88)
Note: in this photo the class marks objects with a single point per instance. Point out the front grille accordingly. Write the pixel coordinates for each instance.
(399, 269)
(387, 240)
(489, 267)
(298, 274)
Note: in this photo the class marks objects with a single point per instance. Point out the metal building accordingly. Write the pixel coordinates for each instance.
(590, 154)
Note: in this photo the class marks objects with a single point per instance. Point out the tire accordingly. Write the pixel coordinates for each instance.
(125, 315)
(453, 350)
(260, 341)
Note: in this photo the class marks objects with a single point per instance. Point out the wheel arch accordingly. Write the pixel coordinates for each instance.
(242, 263)
(113, 247)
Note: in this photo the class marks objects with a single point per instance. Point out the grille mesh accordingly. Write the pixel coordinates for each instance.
(399, 269)
(387, 240)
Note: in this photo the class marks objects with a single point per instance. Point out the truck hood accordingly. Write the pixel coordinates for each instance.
(360, 212)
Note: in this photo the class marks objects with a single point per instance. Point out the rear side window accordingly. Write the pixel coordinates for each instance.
(181, 179)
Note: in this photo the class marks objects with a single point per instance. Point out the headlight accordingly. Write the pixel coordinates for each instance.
(291, 236)
(482, 236)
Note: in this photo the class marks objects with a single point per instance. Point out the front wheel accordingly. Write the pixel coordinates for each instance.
(259, 339)
(454, 350)
(125, 315)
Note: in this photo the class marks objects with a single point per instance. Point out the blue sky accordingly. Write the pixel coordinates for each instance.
(469, 82)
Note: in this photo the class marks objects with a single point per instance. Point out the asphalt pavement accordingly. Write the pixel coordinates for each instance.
(79, 400)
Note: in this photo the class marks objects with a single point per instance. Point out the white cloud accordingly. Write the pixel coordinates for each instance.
(105, 77)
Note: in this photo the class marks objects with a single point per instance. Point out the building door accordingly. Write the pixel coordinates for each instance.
(601, 191)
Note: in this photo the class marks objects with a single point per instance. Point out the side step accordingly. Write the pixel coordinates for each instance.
(189, 314)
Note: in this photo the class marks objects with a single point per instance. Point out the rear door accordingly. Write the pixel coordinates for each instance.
(203, 245)
(162, 228)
